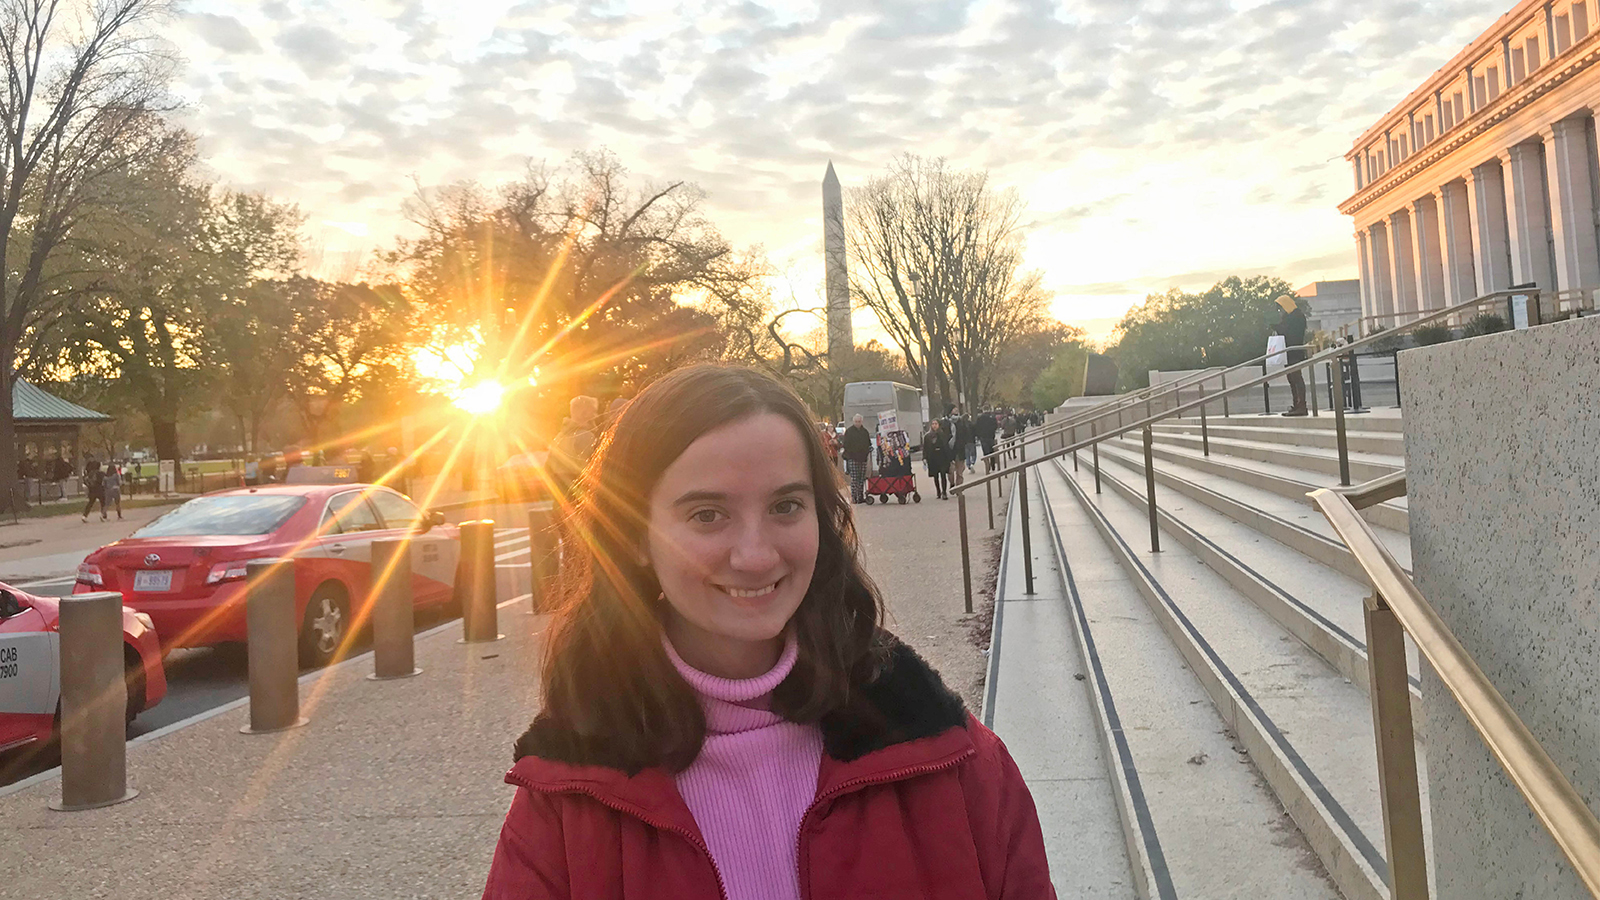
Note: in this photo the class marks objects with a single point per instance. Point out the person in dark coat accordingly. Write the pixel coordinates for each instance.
(1293, 328)
(94, 484)
(936, 453)
(986, 428)
(857, 449)
(967, 442)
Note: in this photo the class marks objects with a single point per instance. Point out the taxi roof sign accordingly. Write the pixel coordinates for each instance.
(320, 475)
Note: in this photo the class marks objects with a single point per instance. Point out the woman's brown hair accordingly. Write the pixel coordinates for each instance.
(611, 695)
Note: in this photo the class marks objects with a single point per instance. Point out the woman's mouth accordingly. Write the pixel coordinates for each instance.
(749, 593)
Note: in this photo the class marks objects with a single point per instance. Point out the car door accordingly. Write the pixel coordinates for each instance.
(433, 553)
(344, 540)
(30, 672)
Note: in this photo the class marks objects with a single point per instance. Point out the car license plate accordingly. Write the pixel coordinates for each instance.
(153, 580)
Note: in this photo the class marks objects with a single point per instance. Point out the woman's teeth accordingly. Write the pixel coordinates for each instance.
(758, 592)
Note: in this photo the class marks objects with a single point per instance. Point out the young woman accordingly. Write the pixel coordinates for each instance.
(936, 454)
(724, 716)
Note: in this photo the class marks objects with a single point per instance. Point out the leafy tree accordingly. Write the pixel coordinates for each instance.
(1062, 379)
(346, 339)
(1028, 356)
(1225, 325)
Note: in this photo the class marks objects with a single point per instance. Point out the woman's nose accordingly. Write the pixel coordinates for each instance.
(753, 550)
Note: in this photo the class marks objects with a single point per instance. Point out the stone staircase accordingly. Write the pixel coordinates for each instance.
(1223, 678)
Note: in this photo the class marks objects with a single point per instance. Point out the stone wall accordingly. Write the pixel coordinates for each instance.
(1503, 459)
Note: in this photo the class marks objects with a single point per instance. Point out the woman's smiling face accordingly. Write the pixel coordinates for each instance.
(733, 540)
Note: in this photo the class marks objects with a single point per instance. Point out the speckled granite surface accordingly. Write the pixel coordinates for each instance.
(1503, 456)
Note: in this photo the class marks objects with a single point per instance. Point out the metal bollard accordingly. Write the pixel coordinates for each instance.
(273, 647)
(394, 622)
(541, 559)
(94, 704)
(480, 619)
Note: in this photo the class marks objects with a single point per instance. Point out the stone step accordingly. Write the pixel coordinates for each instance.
(1389, 443)
(1307, 728)
(1207, 824)
(1290, 521)
(1283, 480)
(1318, 604)
(1363, 466)
(1388, 421)
(1051, 726)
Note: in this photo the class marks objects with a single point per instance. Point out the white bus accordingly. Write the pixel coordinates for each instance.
(868, 398)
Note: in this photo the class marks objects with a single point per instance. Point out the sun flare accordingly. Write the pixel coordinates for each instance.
(482, 398)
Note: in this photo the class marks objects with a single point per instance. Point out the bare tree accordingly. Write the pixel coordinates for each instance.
(936, 255)
(81, 82)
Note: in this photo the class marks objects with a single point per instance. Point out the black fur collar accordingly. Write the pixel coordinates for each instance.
(907, 701)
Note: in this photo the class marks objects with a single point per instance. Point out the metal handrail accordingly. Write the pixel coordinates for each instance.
(1118, 404)
(1376, 491)
(1093, 441)
(1555, 802)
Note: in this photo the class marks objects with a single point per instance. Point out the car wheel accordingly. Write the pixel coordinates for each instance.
(326, 627)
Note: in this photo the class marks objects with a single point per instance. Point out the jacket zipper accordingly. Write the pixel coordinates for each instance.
(691, 837)
(852, 784)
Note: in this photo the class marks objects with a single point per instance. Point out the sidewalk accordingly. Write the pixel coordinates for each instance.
(54, 545)
(395, 788)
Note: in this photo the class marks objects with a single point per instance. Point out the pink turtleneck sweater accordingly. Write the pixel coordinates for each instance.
(754, 779)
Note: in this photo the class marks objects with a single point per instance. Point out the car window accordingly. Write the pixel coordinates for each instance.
(397, 511)
(225, 514)
(348, 513)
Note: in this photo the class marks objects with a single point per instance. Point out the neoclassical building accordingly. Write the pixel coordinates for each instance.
(1485, 177)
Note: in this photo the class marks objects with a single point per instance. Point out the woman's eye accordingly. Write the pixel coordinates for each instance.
(705, 517)
(785, 507)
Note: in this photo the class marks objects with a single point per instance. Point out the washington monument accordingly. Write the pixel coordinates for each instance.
(841, 336)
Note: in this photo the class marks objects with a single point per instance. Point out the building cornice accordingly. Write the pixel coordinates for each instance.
(1577, 58)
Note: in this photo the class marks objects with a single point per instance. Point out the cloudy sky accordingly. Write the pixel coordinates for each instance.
(1157, 144)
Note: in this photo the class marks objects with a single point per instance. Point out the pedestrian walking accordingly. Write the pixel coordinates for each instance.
(94, 486)
(111, 490)
(572, 445)
(857, 449)
(966, 452)
(722, 711)
(986, 428)
(936, 453)
(1008, 431)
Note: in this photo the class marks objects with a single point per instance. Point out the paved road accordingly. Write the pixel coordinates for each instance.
(203, 678)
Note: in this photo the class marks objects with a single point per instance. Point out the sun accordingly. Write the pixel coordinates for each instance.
(482, 398)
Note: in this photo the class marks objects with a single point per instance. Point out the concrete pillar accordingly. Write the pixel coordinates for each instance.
(1382, 285)
(1455, 240)
(1365, 270)
(1486, 202)
(1526, 215)
(1572, 214)
(1403, 263)
(1429, 258)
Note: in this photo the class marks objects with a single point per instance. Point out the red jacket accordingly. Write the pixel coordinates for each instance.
(915, 800)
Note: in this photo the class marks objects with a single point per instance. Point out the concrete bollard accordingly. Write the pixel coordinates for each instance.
(480, 619)
(94, 704)
(542, 558)
(393, 612)
(272, 646)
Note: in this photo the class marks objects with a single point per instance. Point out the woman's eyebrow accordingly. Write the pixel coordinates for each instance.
(793, 487)
(698, 497)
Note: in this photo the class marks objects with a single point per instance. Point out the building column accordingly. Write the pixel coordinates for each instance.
(1403, 263)
(1526, 211)
(1364, 267)
(1425, 247)
(1455, 242)
(1491, 252)
(1382, 286)
(1572, 219)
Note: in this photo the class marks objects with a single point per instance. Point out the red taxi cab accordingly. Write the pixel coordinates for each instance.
(30, 666)
(186, 570)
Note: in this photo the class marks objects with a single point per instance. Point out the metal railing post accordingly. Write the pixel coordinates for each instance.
(1397, 752)
(1074, 453)
(272, 647)
(988, 499)
(480, 618)
(1355, 383)
(1396, 355)
(1205, 432)
(966, 559)
(94, 702)
(1225, 394)
(1311, 389)
(1266, 390)
(541, 559)
(1027, 539)
(394, 623)
(1150, 491)
(1339, 427)
(1094, 448)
